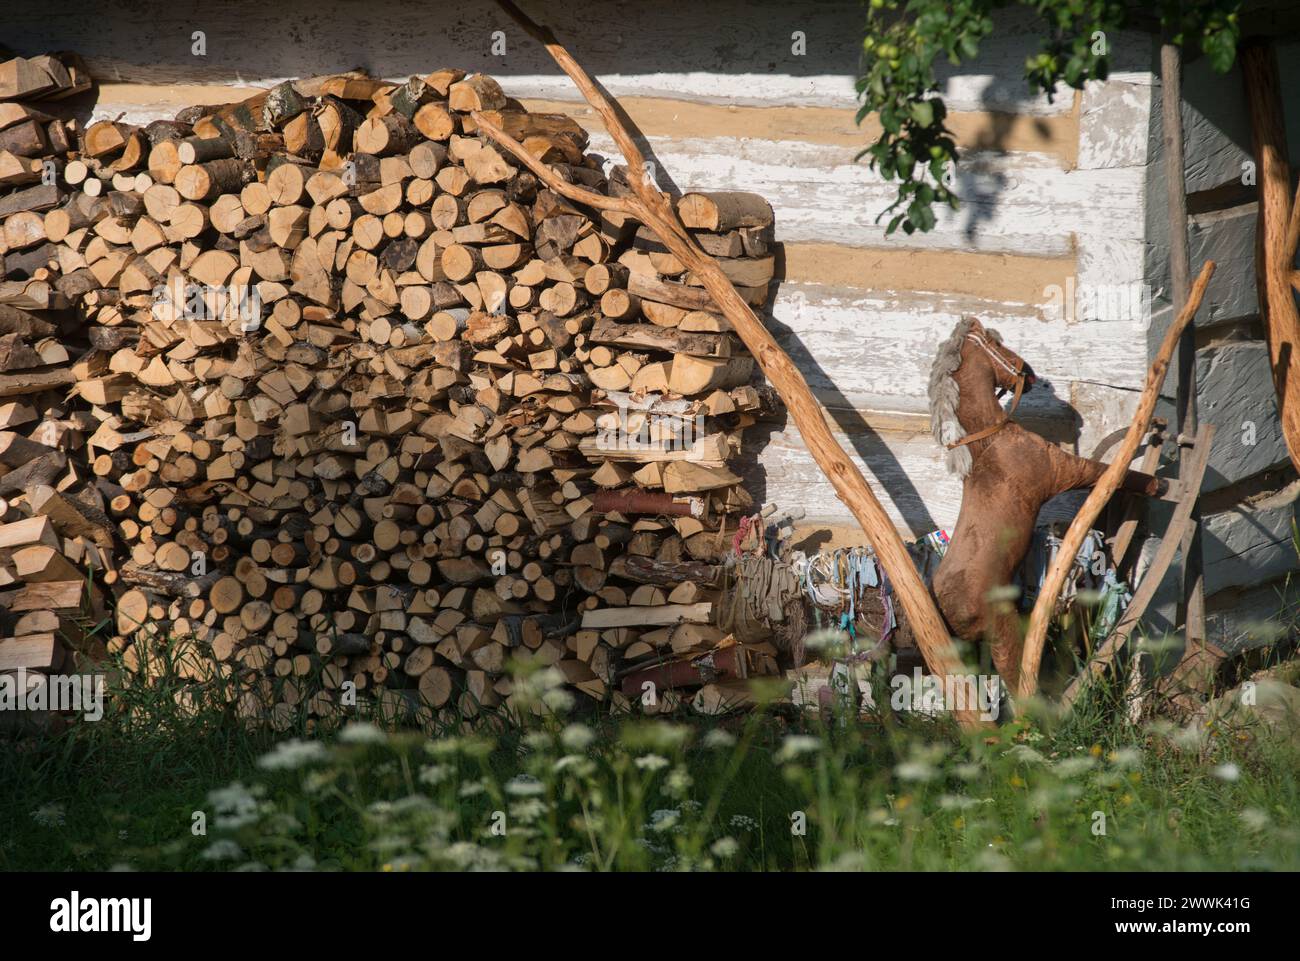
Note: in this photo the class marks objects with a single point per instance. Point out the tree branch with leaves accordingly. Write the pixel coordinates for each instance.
(906, 39)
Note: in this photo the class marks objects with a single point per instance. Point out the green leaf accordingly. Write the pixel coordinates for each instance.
(906, 163)
(923, 112)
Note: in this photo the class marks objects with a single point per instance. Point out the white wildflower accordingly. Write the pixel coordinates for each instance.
(580, 763)
(528, 810)
(725, 847)
(991, 860)
(577, 737)
(49, 815)
(435, 774)
(222, 850)
(1254, 819)
(559, 701)
(1071, 766)
(537, 741)
(1025, 755)
(1126, 757)
(848, 861)
(664, 819)
(679, 782)
(663, 737)
(235, 806)
(796, 745)
(719, 739)
(471, 789)
(524, 785)
(916, 770)
(358, 732)
(294, 753)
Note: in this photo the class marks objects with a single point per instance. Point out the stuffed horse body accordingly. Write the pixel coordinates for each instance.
(1008, 474)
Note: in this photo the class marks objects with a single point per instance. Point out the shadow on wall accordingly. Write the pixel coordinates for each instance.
(852, 430)
(979, 186)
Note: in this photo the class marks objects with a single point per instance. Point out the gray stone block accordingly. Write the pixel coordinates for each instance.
(1252, 543)
(1234, 389)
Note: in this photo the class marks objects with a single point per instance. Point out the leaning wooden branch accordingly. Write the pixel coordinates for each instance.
(1109, 483)
(655, 210)
(1278, 231)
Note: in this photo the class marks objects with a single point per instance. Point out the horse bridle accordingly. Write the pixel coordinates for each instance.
(1017, 372)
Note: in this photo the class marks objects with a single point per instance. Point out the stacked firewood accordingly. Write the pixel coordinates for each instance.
(47, 77)
(365, 406)
(54, 535)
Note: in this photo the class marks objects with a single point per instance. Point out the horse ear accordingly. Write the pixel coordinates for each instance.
(975, 323)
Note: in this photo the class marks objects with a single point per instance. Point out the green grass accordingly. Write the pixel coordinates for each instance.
(599, 793)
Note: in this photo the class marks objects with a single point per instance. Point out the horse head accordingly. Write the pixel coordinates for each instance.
(1010, 370)
(976, 348)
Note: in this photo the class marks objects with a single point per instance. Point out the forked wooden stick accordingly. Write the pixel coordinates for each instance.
(654, 209)
(1036, 636)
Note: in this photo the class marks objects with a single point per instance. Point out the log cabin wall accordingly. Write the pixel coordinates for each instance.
(1056, 194)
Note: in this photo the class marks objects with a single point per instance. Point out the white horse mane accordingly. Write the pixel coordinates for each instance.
(945, 395)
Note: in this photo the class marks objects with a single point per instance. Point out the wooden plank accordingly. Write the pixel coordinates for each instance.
(657, 616)
(42, 652)
(1192, 600)
(1132, 509)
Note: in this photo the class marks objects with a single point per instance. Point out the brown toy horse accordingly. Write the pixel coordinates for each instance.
(1009, 474)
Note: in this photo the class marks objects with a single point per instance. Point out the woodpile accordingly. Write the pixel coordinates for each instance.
(47, 77)
(331, 395)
